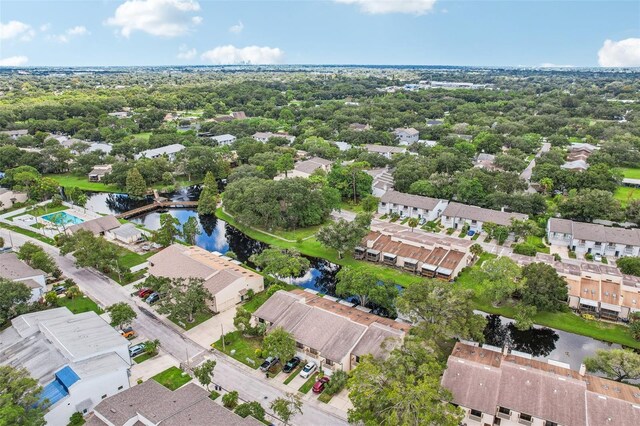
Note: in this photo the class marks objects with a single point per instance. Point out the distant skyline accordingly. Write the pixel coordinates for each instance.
(378, 32)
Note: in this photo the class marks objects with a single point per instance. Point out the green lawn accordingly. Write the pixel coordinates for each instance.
(128, 258)
(630, 173)
(565, 321)
(28, 233)
(214, 395)
(245, 348)
(144, 136)
(348, 205)
(82, 182)
(172, 378)
(142, 358)
(325, 397)
(41, 210)
(306, 386)
(625, 194)
(538, 244)
(79, 305)
(312, 247)
(293, 374)
(198, 319)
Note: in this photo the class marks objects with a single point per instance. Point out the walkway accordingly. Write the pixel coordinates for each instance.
(155, 206)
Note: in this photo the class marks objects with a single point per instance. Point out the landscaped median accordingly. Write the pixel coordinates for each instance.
(28, 233)
(172, 378)
(306, 386)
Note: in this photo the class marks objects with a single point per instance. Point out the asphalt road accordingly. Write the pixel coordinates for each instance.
(229, 375)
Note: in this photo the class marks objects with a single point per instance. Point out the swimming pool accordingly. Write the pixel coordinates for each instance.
(62, 218)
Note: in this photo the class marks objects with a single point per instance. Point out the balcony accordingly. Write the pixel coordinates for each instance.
(524, 421)
(475, 418)
(503, 416)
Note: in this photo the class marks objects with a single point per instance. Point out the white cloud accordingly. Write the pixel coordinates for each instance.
(185, 53)
(623, 53)
(13, 61)
(45, 27)
(70, 33)
(417, 7)
(237, 28)
(550, 65)
(16, 29)
(246, 55)
(166, 18)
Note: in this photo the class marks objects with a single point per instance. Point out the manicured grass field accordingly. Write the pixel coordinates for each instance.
(245, 348)
(626, 194)
(79, 305)
(142, 358)
(172, 378)
(28, 233)
(312, 247)
(82, 182)
(128, 258)
(144, 136)
(293, 374)
(538, 244)
(565, 321)
(198, 319)
(630, 173)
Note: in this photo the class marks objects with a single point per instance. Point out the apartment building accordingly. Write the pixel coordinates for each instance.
(455, 215)
(407, 135)
(409, 205)
(384, 150)
(14, 269)
(593, 238)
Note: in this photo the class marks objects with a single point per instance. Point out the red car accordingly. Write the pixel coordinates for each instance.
(318, 386)
(144, 292)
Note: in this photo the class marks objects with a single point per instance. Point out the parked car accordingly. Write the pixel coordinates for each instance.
(422, 221)
(128, 333)
(291, 364)
(268, 363)
(136, 350)
(145, 292)
(308, 369)
(318, 386)
(153, 298)
(597, 257)
(60, 289)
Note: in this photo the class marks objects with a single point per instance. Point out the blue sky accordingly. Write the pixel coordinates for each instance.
(420, 32)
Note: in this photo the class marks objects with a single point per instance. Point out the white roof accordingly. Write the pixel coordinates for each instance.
(224, 138)
(169, 149)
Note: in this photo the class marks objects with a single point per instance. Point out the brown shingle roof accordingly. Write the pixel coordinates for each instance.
(97, 226)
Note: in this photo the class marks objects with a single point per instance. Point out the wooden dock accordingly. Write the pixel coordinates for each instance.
(158, 205)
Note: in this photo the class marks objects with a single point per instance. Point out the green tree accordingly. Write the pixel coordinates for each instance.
(629, 265)
(37, 258)
(76, 419)
(364, 285)
(286, 407)
(73, 292)
(14, 297)
(342, 236)
(208, 201)
(151, 347)
(242, 321)
(252, 408)
(204, 372)
(284, 164)
(543, 287)
(230, 400)
(190, 230)
(441, 311)
(413, 222)
(524, 316)
(369, 203)
(89, 250)
(76, 196)
(51, 298)
(184, 299)
(617, 364)
(168, 231)
(122, 314)
(136, 185)
(500, 278)
(476, 250)
(404, 389)
(279, 343)
(352, 181)
(337, 383)
(19, 395)
(1, 240)
(281, 262)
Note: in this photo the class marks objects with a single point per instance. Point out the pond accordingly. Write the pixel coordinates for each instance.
(217, 235)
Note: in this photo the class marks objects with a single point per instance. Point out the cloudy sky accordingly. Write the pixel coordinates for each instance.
(420, 32)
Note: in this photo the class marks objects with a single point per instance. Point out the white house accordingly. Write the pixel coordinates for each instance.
(306, 168)
(8, 198)
(409, 205)
(593, 238)
(384, 150)
(343, 146)
(14, 269)
(79, 360)
(127, 233)
(224, 140)
(407, 135)
(265, 136)
(15, 134)
(169, 150)
(455, 215)
(97, 146)
(99, 171)
(226, 280)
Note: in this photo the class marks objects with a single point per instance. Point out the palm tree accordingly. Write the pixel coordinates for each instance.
(413, 222)
(151, 347)
(73, 292)
(476, 250)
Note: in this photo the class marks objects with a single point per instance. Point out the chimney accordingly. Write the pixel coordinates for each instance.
(583, 370)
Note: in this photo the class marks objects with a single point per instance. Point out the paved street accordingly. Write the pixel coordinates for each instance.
(250, 384)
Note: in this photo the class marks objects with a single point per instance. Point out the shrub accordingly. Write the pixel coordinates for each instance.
(76, 419)
(250, 409)
(258, 353)
(557, 257)
(525, 249)
(588, 256)
(337, 382)
(230, 400)
(273, 288)
(572, 254)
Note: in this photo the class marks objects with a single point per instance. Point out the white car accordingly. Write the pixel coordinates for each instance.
(308, 369)
(597, 258)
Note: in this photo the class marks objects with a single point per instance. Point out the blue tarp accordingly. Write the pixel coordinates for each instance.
(52, 393)
(67, 377)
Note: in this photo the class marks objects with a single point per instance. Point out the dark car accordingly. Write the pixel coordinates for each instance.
(153, 298)
(291, 364)
(60, 289)
(145, 292)
(268, 363)
(318, 386)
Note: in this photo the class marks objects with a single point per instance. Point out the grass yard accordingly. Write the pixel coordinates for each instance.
(630, 173)
(565, 321)
(312, 247)
(293, 374)
(28, 233)
(198, 319)
(41, 210)
(79, 305)
(144, 136)
(142, 358)
(128, 258)
(172, 378)
(325, 397)
(625, 194)
(214, 395)
(82, 182)
(306, 386)
(349, 206)
(538, 244)
(245, 348)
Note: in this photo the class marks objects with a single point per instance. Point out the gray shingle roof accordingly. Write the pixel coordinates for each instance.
(595, 232)
(482, 215)
(409, 200)
(97, 226)
(13, 268)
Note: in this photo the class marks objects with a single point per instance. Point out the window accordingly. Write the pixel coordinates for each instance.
(120, 387)
(328, 362)
(84, 411)
(549, 423)
(504, 410)
(475, 414)
(357, 358)
(104, 396)
(526, 417)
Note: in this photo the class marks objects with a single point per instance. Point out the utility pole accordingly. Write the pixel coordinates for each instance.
(224, 349)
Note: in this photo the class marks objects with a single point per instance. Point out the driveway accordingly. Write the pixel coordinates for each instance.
(211, 330)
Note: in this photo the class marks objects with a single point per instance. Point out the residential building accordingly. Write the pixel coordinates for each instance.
(384, 150)
(343, 146)
(592, 238)
(8, 198)
(226, 279)
(333, 334)
(98, 226)
(455, 215)
(99, 172)
(382, 181)
(14, 269)
(493, 387)
(265, 136)
(357, 127)
(431, 123)
(239, 115)
(406, 136)
(434, 259)
(468, 138)
(169, 151)
(575, 166)
(224, 140)
(306, 168)
(98, 146)
(15, 134)
(409, 205)
(120, 114)
(484, 161)
(79, 360)
(152, 404)
(127, 233)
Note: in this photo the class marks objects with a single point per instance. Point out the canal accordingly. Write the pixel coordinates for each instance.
(217, 235)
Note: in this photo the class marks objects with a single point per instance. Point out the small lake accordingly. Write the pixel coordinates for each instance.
(217, 235)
